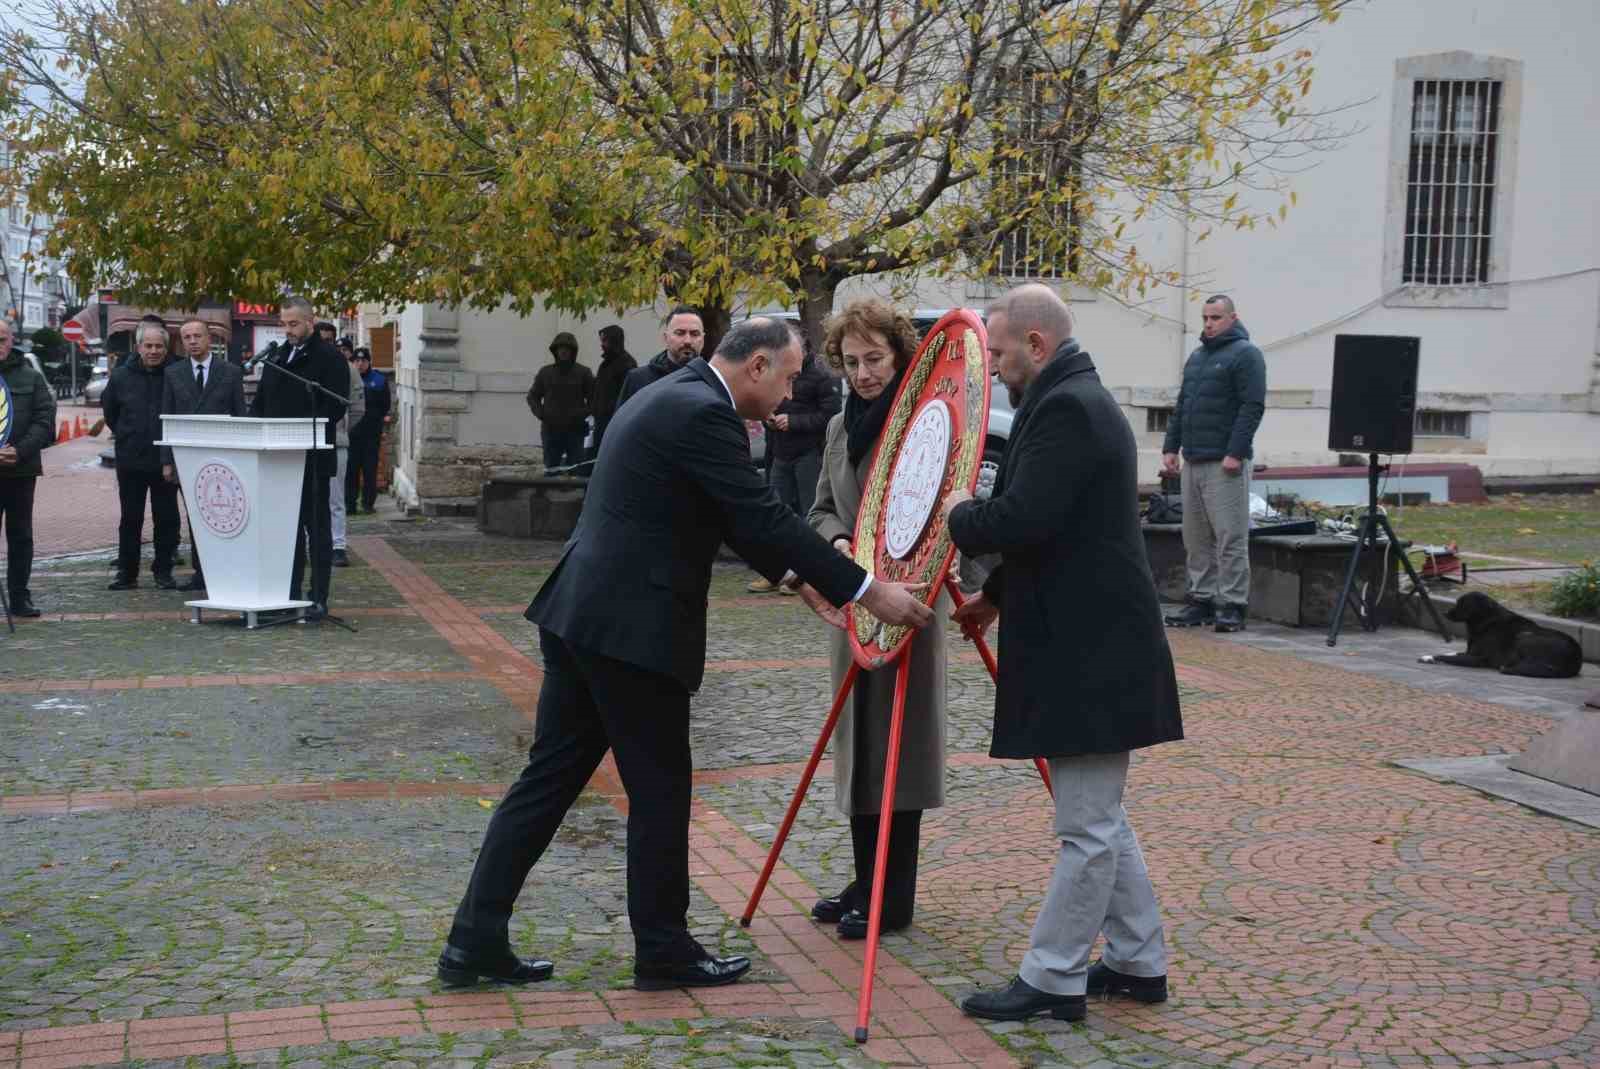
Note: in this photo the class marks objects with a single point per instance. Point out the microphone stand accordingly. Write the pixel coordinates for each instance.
(318, 516)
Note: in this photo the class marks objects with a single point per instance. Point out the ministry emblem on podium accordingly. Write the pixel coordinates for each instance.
(220, 499)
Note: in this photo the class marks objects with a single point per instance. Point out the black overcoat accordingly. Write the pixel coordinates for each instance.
(1084, 662)
(279, 396)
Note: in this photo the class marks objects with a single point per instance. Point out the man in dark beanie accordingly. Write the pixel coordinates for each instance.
(561, 399)
(615, 363)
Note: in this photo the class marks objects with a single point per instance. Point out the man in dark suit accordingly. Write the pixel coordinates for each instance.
(198, 386)
(310, 356)
(1085, 672)
(622, 627)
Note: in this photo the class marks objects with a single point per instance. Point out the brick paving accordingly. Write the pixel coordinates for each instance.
(230, 848)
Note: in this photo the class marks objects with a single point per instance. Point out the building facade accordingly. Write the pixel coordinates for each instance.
(1458, 209)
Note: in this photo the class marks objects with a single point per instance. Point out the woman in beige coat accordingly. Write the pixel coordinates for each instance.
(872, 344)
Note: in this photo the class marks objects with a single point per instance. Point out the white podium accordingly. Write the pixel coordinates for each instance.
(241, 484)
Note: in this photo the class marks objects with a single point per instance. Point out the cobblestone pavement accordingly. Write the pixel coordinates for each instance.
(231, 848)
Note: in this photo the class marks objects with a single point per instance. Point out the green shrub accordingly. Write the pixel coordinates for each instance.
(1577, 593)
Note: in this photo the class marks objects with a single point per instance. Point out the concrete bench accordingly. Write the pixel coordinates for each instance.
(1294, 579)
(542, 507)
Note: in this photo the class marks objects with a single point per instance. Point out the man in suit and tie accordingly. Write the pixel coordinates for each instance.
(198, 386)
(309, 356)
(622, 629)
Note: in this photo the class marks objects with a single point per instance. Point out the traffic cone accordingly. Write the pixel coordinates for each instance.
(81, 428)
(65, 434)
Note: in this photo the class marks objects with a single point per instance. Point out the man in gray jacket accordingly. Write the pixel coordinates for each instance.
(1220, 402)
(336, 498)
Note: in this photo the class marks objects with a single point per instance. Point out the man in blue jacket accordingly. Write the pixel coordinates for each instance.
(1220, 402)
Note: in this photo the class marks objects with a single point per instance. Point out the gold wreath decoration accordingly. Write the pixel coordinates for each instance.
(921, 566)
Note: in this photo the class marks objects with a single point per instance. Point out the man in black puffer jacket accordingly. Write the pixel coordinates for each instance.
(1220, 402)
(132, 407)
(683, 333)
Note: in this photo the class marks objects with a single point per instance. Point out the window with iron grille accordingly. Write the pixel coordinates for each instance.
(1450, 184)
(1156, 420)
(737, 133)
(1039, 126)
(1433, 423)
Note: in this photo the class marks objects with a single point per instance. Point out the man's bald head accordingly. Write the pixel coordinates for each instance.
(1035, 307)
(1026, 327)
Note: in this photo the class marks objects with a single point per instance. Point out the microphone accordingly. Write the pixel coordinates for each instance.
(265, 354)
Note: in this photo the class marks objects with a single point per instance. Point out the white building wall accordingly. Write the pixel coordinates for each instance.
(1528, 373)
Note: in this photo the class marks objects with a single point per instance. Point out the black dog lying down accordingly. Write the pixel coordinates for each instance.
(1499, 638)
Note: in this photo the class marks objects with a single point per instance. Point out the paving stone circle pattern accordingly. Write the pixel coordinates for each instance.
(223, 848)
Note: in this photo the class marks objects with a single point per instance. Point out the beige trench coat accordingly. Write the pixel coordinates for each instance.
(861, 740)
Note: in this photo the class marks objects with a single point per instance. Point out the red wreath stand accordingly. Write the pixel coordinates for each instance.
(950, 374)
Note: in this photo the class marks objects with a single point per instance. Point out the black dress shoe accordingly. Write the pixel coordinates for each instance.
(124, 582)
(706, 972)
(22, 606)
(194, 582)
(853, 925)
(341, 559)
(316, 612)
(1022, 1000)
(457, 968)
(166, 582)
(831, 910)
(1106, 981)
(1193, 614)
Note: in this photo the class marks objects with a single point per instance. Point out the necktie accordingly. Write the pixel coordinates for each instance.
(200, 377)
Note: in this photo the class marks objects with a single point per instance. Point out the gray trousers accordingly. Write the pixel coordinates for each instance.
(1100, 883)
(1216, 532)
(336, 498)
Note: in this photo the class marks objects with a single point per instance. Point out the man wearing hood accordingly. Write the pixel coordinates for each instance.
(683, 333)
(615, 363)
(561, 399)
(1220, 403)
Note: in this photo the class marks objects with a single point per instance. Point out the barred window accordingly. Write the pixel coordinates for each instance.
(1048, 159)
(1156, 420)
(1432, 423)
(737, 136)
(1455, 129)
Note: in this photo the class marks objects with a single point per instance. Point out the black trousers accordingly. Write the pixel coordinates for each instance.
(316, 525)
(562, 449)
(900, 872)
(361, 471)
(16, 512)
(795, 479)
(589, 704)
(133, 486)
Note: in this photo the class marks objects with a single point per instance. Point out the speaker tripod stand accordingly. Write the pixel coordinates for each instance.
(1372, 524)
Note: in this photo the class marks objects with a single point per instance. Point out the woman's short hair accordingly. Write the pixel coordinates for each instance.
(871, 315)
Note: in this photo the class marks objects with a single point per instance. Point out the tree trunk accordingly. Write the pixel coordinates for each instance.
(816, 304)
(716, 319)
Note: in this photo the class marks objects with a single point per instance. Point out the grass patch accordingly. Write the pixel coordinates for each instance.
(1560, 528)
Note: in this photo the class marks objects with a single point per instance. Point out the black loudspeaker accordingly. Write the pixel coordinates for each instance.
(1374, 407)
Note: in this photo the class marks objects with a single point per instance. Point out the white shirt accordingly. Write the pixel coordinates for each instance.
(865, 583)
(197, 366)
